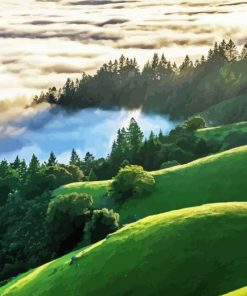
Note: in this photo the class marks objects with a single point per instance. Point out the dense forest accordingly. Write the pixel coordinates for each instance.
(161, 86)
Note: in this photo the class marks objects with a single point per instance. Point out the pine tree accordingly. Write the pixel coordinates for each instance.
(134, 138)
(34, 164)
(74, 158)
(16, 164)
(52, 161)
(186, 66)
(231, 51)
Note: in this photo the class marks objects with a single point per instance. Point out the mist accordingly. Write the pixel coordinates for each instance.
(43, 130)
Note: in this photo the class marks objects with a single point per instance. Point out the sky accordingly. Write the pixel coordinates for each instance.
(43, 42)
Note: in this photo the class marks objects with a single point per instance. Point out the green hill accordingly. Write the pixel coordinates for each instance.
(228, 111)
(229, 136)
(194, 251)
(239, 292)
(217, 178)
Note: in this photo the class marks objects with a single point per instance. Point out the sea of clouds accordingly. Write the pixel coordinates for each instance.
(43, 42)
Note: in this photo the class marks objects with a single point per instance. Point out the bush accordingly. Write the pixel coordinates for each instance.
(194, 123)
(169, 164)
(131, 180)
(102, 223)
(66, 215)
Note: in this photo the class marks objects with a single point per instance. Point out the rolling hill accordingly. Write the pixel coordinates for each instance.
(229, 136)
(227, 111)
(239, 292)
(217, 178)
(166, 254)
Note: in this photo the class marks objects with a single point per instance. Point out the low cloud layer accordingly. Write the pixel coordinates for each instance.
(43, 42)
(41, 131)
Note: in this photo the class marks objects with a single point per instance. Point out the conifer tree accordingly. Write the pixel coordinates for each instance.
(74, 158)
(52, 161)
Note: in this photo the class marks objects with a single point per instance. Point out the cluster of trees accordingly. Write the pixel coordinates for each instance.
(130, 147)
(160, 86)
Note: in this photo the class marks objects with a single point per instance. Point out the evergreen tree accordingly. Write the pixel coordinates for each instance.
(74, 158)
(52, 161)
(231, 51)
(16, 164)
(134, 137)
(34, 164)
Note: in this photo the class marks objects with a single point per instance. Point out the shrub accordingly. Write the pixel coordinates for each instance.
(66, 214)
(131, 180)
(194, 123)
(102, 223)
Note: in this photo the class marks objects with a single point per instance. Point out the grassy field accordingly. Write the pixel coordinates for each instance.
(230, 136)
(217, 178)
(178, 259)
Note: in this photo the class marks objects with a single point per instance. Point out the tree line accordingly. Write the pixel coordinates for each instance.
(160, 86)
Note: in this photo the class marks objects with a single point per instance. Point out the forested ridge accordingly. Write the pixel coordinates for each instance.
(160, 86)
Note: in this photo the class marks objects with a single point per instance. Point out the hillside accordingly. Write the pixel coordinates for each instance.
(239, 292)
(229, 136)
(177, 258)
(217, 178)
(228, 111)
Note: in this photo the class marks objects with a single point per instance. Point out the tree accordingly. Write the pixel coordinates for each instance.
(75, 159)
(134, 139)
(194, 123)
(119, 150)
(231, 51)
(52, 161)
(34, 165)
(9, 181)
(76, 173)
(102, 223)
(66, 216)
(57, 176)
(131, 181)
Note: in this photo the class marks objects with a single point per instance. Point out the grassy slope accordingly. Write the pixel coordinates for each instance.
(231, 135)
(228, 111)
(239, 292)
(178, 258)
(218, 178)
